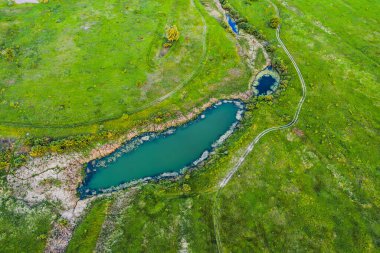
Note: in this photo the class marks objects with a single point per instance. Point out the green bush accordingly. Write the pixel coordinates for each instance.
(274, 22)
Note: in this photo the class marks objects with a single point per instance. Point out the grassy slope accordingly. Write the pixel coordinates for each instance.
(260, 59)
(99, 82)
(86, 233)
(320, 191)
(23, 229)
(66, 70)
(317, 192)
(217, 78)
(153, 224)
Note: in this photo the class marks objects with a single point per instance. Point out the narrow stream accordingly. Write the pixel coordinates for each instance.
(232, 24)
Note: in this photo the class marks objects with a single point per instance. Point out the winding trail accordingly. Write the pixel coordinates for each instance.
(250, 147)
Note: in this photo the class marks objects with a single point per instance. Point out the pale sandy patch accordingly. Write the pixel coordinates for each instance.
(26, 1)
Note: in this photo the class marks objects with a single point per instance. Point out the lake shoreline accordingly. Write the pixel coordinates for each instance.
(28, 183)
(33, 183)
(138, 140)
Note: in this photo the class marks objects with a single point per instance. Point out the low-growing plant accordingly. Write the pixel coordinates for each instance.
(274, 22)
(8, 54)
(172, 33)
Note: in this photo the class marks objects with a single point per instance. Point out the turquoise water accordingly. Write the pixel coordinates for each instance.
(153, 155)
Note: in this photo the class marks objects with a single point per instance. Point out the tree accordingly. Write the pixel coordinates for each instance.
(274, 22)
(172, 33)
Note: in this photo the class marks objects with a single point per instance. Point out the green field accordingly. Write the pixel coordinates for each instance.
(69, 69)
(318, 191)
(86, 235)
(23, 229)
(312, 188)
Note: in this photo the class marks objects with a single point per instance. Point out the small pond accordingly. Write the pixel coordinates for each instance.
(165, 154)
(266, 82)
(232, 24)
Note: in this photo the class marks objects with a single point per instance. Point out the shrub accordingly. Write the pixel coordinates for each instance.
(38, 151)
(172, 33)
(270, 48)
(280, 66)
(274, 22)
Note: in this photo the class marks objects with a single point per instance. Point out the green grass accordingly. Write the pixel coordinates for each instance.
(315, 191)
(151, 223)
(23, 229)
(314, 187)
(66, 70)
(87, 232)
(64, 76)
(260, 59)
(258, 14)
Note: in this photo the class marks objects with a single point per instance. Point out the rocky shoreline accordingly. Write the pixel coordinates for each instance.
(56, 177)
(126, 146)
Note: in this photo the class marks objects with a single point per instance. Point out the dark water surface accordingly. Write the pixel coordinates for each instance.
(265, 84)
(153, 155)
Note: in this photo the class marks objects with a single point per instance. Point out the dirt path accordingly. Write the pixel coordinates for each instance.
(250, 147)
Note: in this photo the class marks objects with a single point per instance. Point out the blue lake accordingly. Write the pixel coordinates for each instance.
(152, 155)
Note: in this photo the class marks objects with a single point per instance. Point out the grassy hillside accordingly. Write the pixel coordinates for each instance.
(314, 187)
(78, 63)
(207, 59)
